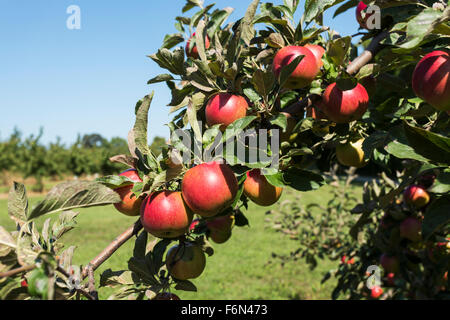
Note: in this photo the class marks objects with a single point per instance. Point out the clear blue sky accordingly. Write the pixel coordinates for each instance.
(88, 80)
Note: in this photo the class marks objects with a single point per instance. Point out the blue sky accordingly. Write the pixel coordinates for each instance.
(88, 81)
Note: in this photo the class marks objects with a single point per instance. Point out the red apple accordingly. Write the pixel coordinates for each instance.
(344, 259)
(389, 263)
(431, 79)
(185, 261)
(224, 109)
(410, 228)
(318, 52)
(351, 261)
(362, 21)
(416, 196)
(306, 70)
(130, 204)
(194, 52)
(390, 279)
(209, 188)
(166, 296)
(343, 106)
(165, 215)
(259, 190)
(376, 292)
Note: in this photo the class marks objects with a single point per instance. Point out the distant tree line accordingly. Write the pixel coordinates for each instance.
(89, 154)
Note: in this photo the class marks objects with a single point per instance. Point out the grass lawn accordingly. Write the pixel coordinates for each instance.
(239, 269)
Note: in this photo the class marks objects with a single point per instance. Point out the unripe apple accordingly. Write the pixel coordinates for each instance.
(389, 263)
(359, 17)
(306, 70)
(222, 223)
(225, 108)
(416, 196)
(411, 228)
(351, 154)
(130, 204)
(318, 52)
(431, 79)
(376, 292)
(259, 190)
(209, 188)
(343, 106)
(166, 296)
(165, 215)
(220, 237)
(194, 52)
(185, 261)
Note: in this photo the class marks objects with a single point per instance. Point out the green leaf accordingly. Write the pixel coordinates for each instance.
(346, 6)
(298, 179)
(237, 127)
(263, 82)
(72, 195)
(140, 245)
(160, 78)
(403, 151)
(185, 285)
(115, 182)
(314, 8)
(286, 71)
(442, 183)
(436, 216)
(141, 123)
(247, 29)
(420, 26)
(279, 120)
(338, 50)
(7, 242)
(217, 18)
(18, 203)
(111, 278)
(431, 145)
(200, 39)
(171, 40)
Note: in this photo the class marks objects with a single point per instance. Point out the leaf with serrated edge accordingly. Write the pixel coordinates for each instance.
(72, 195)
(18, 203)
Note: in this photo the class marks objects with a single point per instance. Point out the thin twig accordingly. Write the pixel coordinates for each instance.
(16, 271)
(112, 247)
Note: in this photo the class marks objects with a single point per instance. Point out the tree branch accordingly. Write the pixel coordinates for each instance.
(112, 247)
(365, 57)
(16, 271)
(78, 290)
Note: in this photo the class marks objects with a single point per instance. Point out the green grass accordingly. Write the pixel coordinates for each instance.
(239, 268)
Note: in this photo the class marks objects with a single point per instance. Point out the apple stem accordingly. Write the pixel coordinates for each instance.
(367, 55)
(111, 248)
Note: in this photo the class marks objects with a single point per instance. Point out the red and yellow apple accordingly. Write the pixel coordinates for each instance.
(130, 204)
(259, 190)
(224, 109)
(318, 52)
(209, 188)
(416, 196)
(185, 261)
(343, 106)
(304, 73)
(194, 52)
(164, 214)
(431, 79)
